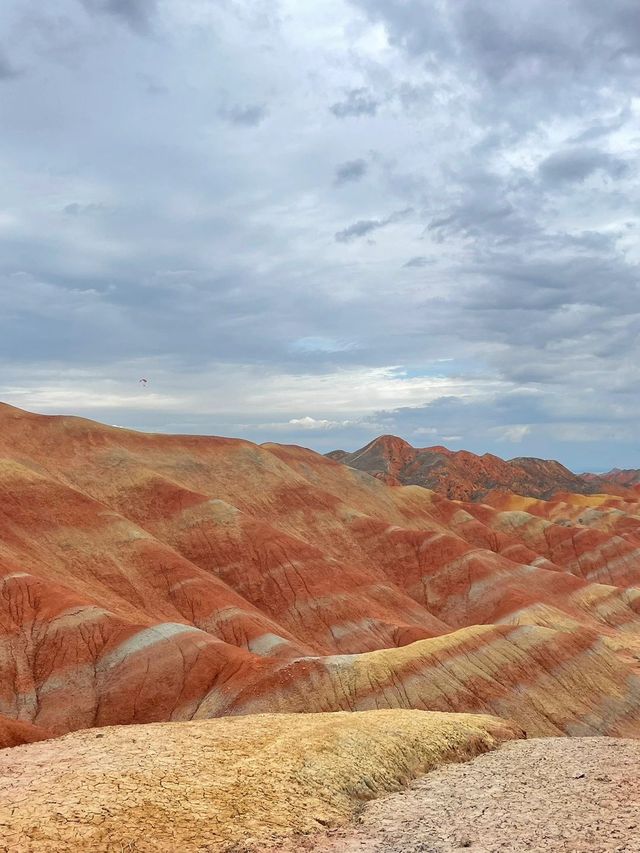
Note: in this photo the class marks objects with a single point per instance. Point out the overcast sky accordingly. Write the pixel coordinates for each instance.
(315, 222)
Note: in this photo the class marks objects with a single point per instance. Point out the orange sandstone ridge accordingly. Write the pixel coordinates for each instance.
(167, 578)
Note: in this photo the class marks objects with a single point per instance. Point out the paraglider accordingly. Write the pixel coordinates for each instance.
(144, 382)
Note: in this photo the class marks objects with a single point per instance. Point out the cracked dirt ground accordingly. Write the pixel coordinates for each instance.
(207, 786)
(547, 795)
(244, 784)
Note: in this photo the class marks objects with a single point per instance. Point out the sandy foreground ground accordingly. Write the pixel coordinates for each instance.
(211, 785)
(544, 795)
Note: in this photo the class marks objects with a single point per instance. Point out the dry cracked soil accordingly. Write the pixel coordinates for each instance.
(545, 795)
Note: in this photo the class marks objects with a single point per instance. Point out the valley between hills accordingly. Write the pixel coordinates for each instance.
(193, 582)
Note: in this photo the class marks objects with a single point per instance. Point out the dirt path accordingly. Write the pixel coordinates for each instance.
(547, 795)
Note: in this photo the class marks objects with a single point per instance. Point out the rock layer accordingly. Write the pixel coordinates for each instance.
(150, 578)
(462, 475)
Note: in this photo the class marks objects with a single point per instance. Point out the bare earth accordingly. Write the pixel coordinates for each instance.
(545, 795)
(210, 786)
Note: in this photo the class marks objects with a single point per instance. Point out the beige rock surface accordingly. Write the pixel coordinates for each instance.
(546, 795)
(224, 784)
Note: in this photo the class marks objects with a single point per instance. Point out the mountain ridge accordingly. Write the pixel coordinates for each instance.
(462, 475)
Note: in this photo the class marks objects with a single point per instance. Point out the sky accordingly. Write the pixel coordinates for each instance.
(314, 223)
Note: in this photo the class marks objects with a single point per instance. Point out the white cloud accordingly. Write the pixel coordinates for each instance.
(321, 344)
(235, 389)
(515, 433)
(69, 400)
(313, 424)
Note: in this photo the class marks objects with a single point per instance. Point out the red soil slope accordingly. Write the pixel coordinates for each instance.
(461, 475)
(17, 732)
(152, 577)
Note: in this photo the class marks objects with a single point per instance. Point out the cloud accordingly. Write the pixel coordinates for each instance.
(366, 226)
(514, 434)
(603, 127)
(350, 171)
(194, 237)
(577, 164)
(508, 44)
(152, 86)
(320, 344)
(359, 229)
(418, 262)
(77, 209)
(356, 103)
(137, 14)
(305, 423)
(7, 70)
(245, 116)
(483, 210)
(312, 423)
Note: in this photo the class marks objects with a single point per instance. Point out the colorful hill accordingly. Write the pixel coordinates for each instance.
(165, 578)
(461, 475)
(628, 478)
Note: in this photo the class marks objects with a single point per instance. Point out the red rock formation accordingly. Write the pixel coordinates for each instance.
(17, 732)
(461, 475)
(152, 577)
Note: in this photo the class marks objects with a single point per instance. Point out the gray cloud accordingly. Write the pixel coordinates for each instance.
(154, 241)
(576, 164)
(505, 42)
(357, 102)
(603, 127)
(7, 70)
(77, 209)
(359, 229)
(481, 216)
(137, 14)
(525, 64)
(418, 262)
(350, 171)
(247, 116)
(365, 226)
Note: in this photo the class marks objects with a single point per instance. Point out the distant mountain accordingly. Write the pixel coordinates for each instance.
(337, 455)
(626, 478)
(461, 475)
